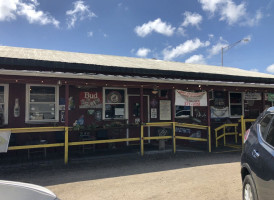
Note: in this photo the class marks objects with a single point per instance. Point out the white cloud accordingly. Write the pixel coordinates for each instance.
(182, 49)
(193, 19)
(197, 59)
(231, 12)
(270, 69)
(210, 36)
(181, 31)
(90, 34)
(9, 9)
(155, 26)
(216, 49)
(211, 5)
(79, 12)
(254, 70)
(143, 52)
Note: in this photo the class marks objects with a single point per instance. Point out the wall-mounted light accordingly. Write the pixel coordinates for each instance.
(59, 82)
(155, 89)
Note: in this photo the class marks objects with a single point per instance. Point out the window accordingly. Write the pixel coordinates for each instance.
(42, 103)
(267, 129)
(235, 104)
(184, 111)
(115, 103)
(4, 92)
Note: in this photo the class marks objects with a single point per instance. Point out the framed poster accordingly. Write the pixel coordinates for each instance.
(153, 113)
(165, 110)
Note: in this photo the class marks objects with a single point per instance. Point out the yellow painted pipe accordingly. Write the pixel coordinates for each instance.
(191, 138)
(66, 145)
(102, 141)
(36, 146)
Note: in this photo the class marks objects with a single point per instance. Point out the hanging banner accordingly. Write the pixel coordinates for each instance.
(183, 98)
(270, 96)
(4, 141)
(219, 112)
(252, 96)
(90, 100)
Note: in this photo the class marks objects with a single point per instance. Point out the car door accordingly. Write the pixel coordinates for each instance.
(264, 153)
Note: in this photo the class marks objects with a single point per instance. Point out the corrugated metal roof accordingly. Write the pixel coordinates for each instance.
(124, 62)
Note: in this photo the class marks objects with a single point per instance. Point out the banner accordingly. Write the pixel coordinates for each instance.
(90, 100)
(4, 141)
(252, 96)
(183, 98)
(219, 112)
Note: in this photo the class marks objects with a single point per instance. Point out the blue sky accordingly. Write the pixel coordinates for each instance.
(192, 31)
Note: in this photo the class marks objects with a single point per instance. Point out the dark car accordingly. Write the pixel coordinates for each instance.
(258, 158)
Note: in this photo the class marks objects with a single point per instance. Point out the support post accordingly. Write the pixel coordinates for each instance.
(208, 123)
(66, 122)
(243, 128)
(142, 119)
(142, 140)
(263, 99)
(66, 145)
(173, 119)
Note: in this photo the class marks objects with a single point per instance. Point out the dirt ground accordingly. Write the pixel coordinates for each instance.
(187, 176)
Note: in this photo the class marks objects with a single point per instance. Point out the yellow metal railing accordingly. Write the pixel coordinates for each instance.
(40, 130)
(243, 126)
(66, 142)
(174, 137)
(224, 133)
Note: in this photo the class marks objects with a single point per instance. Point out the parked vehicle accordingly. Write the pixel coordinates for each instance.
(10, 190)
(258, 158)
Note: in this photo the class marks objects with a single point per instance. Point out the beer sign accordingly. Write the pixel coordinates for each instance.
(90, 100)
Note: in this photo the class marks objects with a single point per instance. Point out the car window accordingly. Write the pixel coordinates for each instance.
(267, 129)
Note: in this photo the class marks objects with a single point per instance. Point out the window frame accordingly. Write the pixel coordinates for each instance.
(267, 129)
(125, 103)
(242, 104)
(6, 103)
(27, 113)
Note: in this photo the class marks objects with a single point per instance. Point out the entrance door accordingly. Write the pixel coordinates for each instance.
(134, 115)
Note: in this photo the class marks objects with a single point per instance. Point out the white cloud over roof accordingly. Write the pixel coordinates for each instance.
(10, 9)
(184, 48)
(143, 52)
(80, 11)
(270, 69)
(157, 26)
(196, 59)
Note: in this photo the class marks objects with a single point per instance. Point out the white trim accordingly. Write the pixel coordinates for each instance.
(242, 104)
(131, 78)
(125, 103)
(27, 120)
(6, 103)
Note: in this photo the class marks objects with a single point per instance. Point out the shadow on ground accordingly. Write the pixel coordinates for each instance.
(83, 169)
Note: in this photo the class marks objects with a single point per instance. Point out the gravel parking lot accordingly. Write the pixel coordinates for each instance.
(193, 176)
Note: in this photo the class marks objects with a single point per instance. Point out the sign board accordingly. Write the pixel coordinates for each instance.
(183, 98)
(270, 96)
(4, 141)
(165, 110)
(90, 100)
(219, 112)
(153, 113)
(252, 96)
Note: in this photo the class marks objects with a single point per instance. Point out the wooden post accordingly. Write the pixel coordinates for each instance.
(142, 120)
(66, 122)
(173, 119)
(208, 123)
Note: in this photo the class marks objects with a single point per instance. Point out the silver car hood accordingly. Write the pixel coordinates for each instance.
(10, 190)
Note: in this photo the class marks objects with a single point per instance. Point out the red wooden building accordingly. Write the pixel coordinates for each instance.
(103, 92)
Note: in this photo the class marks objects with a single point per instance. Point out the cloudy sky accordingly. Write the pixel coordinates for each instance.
(191, 31)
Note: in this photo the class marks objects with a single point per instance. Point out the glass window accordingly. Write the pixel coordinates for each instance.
(114, 103)
(267, 129)
(183, 111)
(3, 104)
(235, 104)
(42, 103)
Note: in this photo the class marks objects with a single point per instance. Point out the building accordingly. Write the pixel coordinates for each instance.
(103, 92)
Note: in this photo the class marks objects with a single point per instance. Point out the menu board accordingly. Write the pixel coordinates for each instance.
(165, 110)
